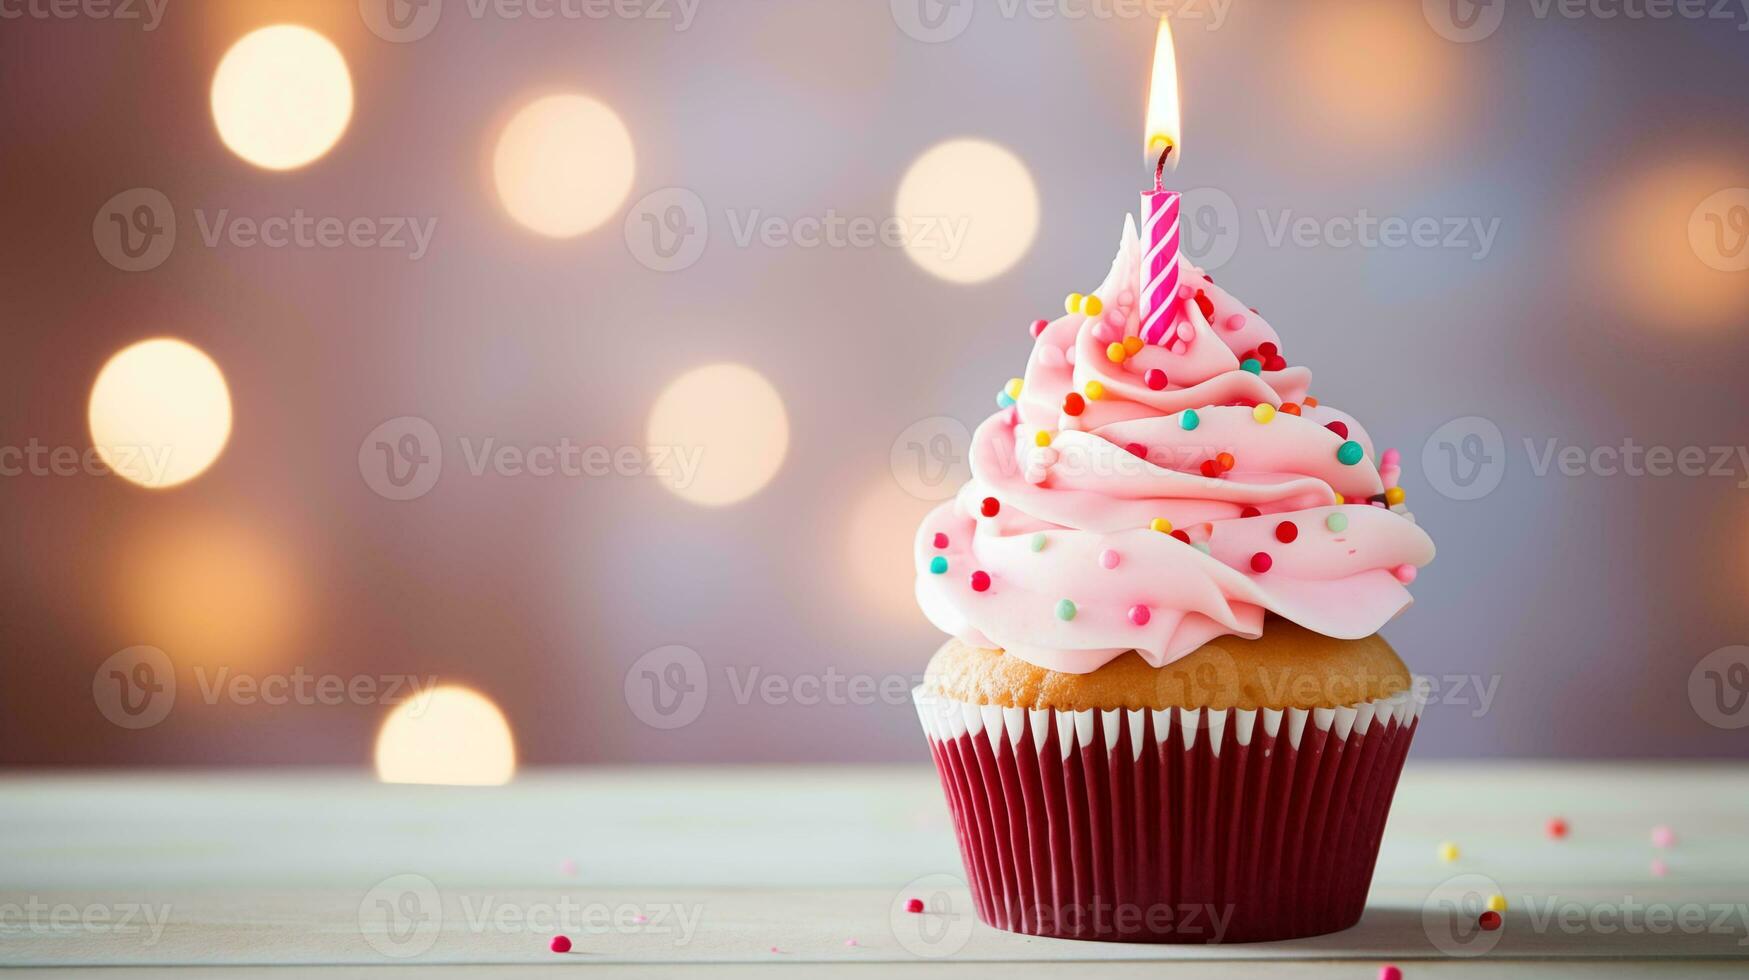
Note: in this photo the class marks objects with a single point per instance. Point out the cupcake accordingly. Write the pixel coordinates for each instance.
(1165, 714)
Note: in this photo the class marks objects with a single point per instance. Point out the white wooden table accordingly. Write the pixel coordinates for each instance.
(284, 873)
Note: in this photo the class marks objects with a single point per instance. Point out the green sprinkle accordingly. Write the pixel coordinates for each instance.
(1336, 522)
(1038, 541)
(1189, 420)
(938, 565)
(1065, 609)
(1253, 365)
(1350, 453)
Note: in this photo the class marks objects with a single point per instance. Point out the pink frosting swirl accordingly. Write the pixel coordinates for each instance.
(1054, 550)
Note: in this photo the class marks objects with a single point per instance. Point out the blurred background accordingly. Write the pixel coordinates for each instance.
(483, 384)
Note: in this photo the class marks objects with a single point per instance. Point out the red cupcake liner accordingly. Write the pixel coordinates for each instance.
(1178, 826)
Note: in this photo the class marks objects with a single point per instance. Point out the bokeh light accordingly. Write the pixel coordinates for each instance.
(969, 210)
(563, 165)
(731, 422)
(282, 96)
(879, 534)
(1653, 238)
(1377, 76)
(448, 736)
(160, 413)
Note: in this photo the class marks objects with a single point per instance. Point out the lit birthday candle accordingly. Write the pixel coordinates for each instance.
(1160, 207)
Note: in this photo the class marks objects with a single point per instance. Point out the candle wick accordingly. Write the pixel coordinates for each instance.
(1160, 169)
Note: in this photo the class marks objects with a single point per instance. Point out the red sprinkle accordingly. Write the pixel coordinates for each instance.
(1290, 408)
(1286, 531)
(1250, 512)
(1276, 363)
(560, 944)
(940, 540)
(1155, 379)
(1206, 305)
(1261, 562)
(1226, 460)
(1038, 327)
(1489, 921)
(1074, 404)
(914, 905)
(980, 581)
(1211, 468)
(1137, 449)
(1558, 828)
(992, 506)
(1339, 427)
(1268, 350)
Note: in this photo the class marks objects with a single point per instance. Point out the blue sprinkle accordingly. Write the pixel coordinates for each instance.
(938, 565)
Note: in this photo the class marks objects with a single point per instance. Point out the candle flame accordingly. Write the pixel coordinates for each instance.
(1163, 130)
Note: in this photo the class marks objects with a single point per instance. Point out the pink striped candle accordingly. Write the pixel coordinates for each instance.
(1159, 262)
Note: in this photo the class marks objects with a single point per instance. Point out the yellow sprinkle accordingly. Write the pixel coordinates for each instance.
(1341, 499)
(1161, 524)
(1116, 353)
(1132, 345)
(1041, 438)
(1073, 303)
(1095, 390)
(1091, 306)
(1013, 388)
(1448, 852)
(1263, 413)
(1496, 903)
(1394, 496)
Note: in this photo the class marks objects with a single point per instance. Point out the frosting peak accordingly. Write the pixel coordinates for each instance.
(1130, 496)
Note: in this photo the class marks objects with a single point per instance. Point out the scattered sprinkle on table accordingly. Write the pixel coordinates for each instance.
(1390, 972)
(1557, 828)
(914, 905)
(568, 867)
(1663, 836)
(1489, 921)
(1659, 868)
(1448, 852)
(560, 944)
(1496, 903)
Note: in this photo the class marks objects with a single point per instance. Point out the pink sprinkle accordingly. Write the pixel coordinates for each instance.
(774, 949)
(851, 942)
(1126, 298)
(914, 905)
(1140, 615)
(1184, 291)
(1155, 379)
(1114, 318)
(560, 944)
(1391, 458)
(1390, 972)
(1105, 333)
(1405, 573)
(568, 867)
(940, 540)
(1187, 331)
(1038, 327)
(1235, 322)
(980, 581)
(1108, 558)
(1659, 868)
(1663, 836)
(640, 918)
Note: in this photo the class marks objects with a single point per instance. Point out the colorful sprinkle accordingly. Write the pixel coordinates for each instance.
(560, 944)
(1116, 353)
(1210, 468)
(1038, 327)
(568, 866)
(940, 540)
(1095, 390)
(1662, 836)
(1250, 511)
(1448, 852)
(1003, 401)
(1557, 828)
(1390, 972)
(914, 906)
(1137, 449)
(938, 565)
(1252, 365)
(1073, 303)
(1013, 387)
(1041, 438)
(1286, 532)
(1180, 535)
(1340, 499)
(1132, 346)
(1074, 404)
(980, 581)
(1489, 921)
(1405, 573)
(1337, 522)
(1160, 524)
(1496, 903)
(1290, 408)
(1350, 453)
(1311, 402)
(1065, 609)
(1261, 562)
(1275, 364)
(1659, 868)
(1155, 379)
(1108, 558)
(851, 942)
(1205, 305)
(1264, 413)
(1038, 541)
(1092, 305)
(1188, 419)
(1267, 349)
(991, 507)
(1395, 496)
(1227, 461)
(1339, 427)
(1140, 615)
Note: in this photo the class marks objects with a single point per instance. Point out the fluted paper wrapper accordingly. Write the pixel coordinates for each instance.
(1177, 826)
